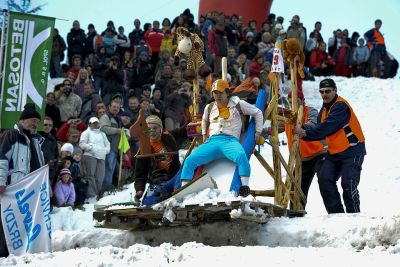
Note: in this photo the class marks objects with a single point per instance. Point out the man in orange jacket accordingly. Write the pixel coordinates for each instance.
(339, 126)
(311, 152)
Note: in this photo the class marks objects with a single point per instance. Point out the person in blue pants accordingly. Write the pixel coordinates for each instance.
(222, 124)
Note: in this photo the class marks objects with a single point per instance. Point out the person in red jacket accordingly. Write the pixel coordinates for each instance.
(321, 63)
(62, 133)
(153, 38)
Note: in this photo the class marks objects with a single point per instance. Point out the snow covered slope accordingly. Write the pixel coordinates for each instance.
(366, 239)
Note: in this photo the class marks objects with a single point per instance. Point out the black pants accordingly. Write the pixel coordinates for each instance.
(308, 169)
(349, 170)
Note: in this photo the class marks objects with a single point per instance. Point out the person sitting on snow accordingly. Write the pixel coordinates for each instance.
(221, 128)
(159, 169)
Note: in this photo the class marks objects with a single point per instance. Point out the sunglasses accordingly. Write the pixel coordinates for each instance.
(327, 91)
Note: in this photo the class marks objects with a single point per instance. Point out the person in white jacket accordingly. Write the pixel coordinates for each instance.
(221, 128)
(96, 146)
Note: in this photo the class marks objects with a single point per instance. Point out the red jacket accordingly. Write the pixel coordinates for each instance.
(153, 39)
(318, 57)
(62, 133)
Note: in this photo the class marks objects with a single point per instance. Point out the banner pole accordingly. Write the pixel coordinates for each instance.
(3, 29)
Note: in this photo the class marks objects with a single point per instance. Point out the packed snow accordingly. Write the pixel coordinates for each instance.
(370, 238)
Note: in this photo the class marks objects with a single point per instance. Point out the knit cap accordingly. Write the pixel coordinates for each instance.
(68, 147)
(29, 112)
(63, 172)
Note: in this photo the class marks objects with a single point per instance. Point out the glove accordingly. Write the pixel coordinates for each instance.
(138, 195)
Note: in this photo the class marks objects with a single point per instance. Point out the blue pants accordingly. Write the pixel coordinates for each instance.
(111, 162)
(217, 147)
(349, 170)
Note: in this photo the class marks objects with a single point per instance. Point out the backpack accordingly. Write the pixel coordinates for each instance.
(244, 118)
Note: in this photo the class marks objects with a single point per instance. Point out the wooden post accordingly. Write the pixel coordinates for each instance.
(264, 163)
(120, 172)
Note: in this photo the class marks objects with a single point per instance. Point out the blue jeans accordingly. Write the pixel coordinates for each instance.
(217, 147)
(111, 162)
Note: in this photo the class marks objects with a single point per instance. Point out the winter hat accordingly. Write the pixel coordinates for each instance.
(249, 34)
(63, 172)
(67, 147)
(93, 120)
(77, 150)
(29, 112)
(278, 26)
(327, 83)
(153, 119)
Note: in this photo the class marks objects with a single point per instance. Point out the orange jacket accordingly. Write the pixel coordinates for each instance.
(339, 142)
(307, 148)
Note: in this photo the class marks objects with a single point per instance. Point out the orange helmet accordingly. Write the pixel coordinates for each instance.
(220, 85)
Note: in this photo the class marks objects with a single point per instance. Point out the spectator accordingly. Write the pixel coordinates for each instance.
(166, 25)
(133, 107)
(53, 111)
(233, 31)
(20, 154)
(122, 42)
(175, 104)
(144, 70)
(266, 45)
(376, 44)
(109, 42)
(76, 66)
(68, 102)
(321, 63)
(113, 80)
(136, 35)
(296, 30)
(90, 100)
(100, 63)
(153, 39)
(334, 42)
(92, 42)
(343, 59)
(76, 41)
(360, 57)
(248, 46)
(49, 148)
(96, 146)
(63, 134)
(168, 43)
(217, 45)
(57, 55)
(111, 126)
(110, 27)
(64, 189)
(81, 80)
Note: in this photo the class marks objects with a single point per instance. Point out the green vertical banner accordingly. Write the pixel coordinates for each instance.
(26, 65)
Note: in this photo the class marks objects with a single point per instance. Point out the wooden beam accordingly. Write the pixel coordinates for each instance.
(264, 163)
(282, 160)
(263, 193)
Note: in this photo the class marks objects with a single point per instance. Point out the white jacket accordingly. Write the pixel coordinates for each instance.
(95, 143)
(233, 125)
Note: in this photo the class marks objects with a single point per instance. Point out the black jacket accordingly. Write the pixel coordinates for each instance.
(145, 166)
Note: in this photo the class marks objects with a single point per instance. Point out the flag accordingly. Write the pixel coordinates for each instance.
(123, 145)
(26, 65)
(25, 214)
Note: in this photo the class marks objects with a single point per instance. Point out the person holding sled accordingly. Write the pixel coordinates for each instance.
(339, 126)
(158, 171)
(221, 125)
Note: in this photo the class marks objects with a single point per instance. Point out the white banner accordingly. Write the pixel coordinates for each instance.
(277, 61)
(25, 214)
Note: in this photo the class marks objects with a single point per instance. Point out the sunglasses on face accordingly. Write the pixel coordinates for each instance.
(326, 91)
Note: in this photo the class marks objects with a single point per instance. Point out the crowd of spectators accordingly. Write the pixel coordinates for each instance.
(111, 74)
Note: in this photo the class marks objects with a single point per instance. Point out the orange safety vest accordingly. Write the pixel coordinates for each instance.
(307, 148)
(378, 37)
(339, 141)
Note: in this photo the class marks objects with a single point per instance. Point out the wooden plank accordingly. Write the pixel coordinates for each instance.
(263, 193)
(264, 163)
